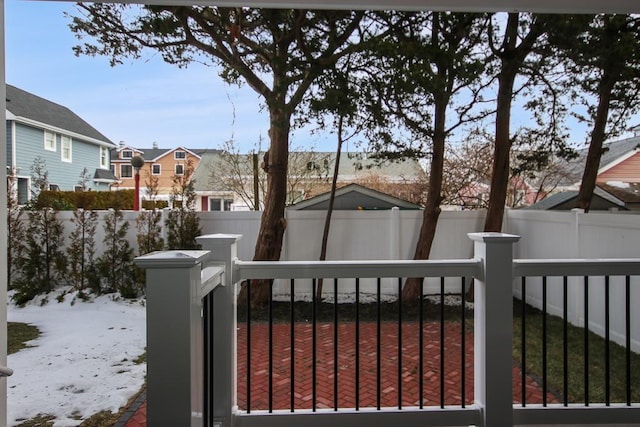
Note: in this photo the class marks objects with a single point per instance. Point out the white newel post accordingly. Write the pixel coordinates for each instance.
(223, 248)
(493, 324)
(174, 337)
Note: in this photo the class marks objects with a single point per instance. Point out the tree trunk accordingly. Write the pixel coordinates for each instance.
(273, 223)
(412, 290)
(332, 197)
(590, 174)
(502, 149)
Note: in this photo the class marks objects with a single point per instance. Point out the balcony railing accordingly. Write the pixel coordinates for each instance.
(303, 359)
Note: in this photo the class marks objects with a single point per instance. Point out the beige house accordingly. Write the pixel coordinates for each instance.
(160, 164)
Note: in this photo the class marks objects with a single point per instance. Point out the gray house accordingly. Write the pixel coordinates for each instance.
(354, 197)
(74, 153)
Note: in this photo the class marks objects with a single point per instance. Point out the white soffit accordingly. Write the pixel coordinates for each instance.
(539, 6)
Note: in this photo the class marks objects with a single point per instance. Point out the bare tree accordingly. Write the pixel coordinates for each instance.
(232, 171)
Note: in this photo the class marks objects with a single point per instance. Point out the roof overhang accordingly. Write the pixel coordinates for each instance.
(35, 123)
(538, 6)
(619, 160)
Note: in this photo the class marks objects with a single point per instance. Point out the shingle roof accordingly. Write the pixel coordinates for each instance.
(372, 198)
(616, 149)
(105, 175)
(29, 106)
(552, 201)
(566, 196)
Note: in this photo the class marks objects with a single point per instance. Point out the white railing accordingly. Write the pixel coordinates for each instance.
(175, 350)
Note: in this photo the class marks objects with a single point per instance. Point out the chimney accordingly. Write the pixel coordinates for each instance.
(121, 144)
(155, 145)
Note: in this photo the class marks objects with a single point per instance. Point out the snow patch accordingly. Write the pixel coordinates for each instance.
(618, 184)
(83, 361)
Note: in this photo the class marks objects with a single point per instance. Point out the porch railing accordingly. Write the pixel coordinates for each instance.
(193, 327)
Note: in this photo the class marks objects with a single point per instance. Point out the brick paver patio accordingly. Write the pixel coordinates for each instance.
(391, 393)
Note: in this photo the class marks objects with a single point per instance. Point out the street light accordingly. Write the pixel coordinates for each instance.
(137, 162)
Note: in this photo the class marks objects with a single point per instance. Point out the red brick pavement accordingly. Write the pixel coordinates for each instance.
(346, 368)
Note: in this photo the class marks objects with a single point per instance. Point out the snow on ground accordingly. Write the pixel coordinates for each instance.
(83, 361)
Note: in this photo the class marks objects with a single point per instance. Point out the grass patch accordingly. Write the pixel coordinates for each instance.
(18, 334)
(39, 421)
(575, 359)
(141, 359)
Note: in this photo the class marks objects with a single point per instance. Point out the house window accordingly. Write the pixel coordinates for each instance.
(65, 148)
(179, 169)
(49, 141)
(220, 204)
(104, 157)
(126, 154)
(112, 168)
(23, 190)
(126, 171)
(78, 188)
(156, 169)
(54, 187)
(179, 155)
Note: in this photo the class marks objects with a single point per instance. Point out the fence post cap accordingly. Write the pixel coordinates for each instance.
(220, 237)
(493, 237)
(171, 259)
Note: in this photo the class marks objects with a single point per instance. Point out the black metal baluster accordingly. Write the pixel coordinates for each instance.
(442, 342)
(463, 340)
(208, 363)
(379, 345)
(565, 340)
(523, 339)
(270, 308)
(399, 343)
(544, 341)
(586, 341)
(421, 347)
(314, 344)
(292, 345)
(607, 337)
(628, 337)
(357, 385)
(248, 302)
(335, 344)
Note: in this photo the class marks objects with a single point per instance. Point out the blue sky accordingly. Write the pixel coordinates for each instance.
(142, 101)
(138, 102)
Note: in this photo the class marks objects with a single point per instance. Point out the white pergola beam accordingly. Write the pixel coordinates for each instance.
(538, 6)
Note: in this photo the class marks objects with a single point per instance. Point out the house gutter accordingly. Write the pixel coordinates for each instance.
(35, 123)
(3, 236)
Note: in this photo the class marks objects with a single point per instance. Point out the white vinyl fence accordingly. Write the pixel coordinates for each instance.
(392, 235)
(558, 235)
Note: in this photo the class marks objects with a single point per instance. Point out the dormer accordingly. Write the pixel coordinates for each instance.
(126, 152)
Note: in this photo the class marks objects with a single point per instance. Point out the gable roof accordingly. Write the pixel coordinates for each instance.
(564, 200)
(359, 164)
(354, 197)
(34, 110)
(616, 152)
(153, 154)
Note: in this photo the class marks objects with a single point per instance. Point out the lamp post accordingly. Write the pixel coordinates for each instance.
(137, 162)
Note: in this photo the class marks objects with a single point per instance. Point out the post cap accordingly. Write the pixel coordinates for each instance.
(171, 259)
(493, 237)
